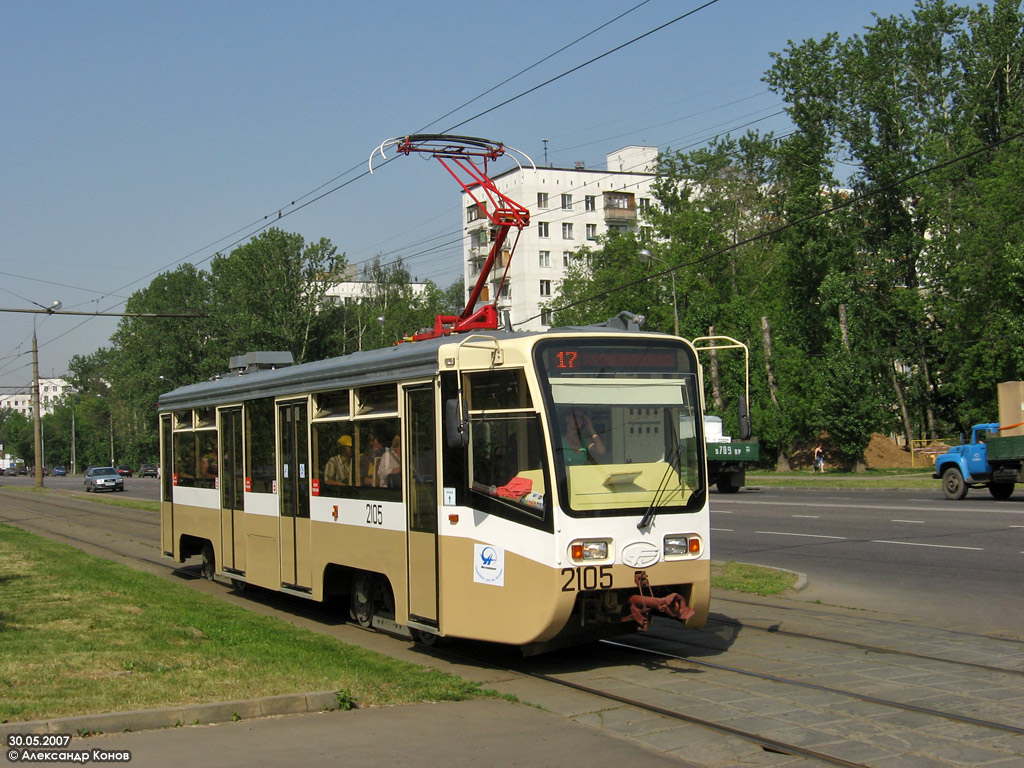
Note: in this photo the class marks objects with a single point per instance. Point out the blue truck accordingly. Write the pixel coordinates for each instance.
(986, 461)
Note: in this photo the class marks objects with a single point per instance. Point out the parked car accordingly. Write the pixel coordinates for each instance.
(148, 470)
(59, 472)
(124, 470)
(103, 479)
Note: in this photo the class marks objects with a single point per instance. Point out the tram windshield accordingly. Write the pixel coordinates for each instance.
(624, 421)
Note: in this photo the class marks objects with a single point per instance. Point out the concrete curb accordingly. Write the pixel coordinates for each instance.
(176, 717)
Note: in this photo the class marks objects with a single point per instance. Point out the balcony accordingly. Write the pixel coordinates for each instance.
(620, 207)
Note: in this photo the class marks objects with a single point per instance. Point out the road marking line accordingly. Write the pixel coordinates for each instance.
(964, 507)
(906, 521)
(807, 535)
(917, 544)
(810, 517)
(728, 530)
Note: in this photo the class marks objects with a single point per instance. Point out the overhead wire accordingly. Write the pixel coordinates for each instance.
(249, 230)
(578, 67)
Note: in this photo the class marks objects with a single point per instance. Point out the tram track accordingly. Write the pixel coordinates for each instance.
(111, 519)
(868, 619)
(850, 644)
(759, 738)
(766, 743)
(826, 689)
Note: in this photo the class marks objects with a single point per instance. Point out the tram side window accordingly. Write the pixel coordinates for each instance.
(260, 455)
(378, 459)
(206, 451)
(185, 459)
(507, 461)
(498, 390)
(334, 458)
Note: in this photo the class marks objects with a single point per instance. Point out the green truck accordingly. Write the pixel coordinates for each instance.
(728, 458)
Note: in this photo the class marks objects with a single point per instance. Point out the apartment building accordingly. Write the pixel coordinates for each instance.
(569, 209)
(50, 393)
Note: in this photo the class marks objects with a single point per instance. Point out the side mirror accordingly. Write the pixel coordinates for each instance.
(744, 418)
(456, 431)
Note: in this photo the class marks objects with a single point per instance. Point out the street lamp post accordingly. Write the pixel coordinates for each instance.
(72, 437)
(646, 257)
(37, 424)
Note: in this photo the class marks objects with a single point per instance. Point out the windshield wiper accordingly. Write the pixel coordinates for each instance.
(660, 494)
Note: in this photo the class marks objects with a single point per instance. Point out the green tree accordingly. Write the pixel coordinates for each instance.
(17, 435)
(267, 295)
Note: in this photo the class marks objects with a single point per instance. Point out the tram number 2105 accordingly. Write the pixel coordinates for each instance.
(374, 514)
(587, 577)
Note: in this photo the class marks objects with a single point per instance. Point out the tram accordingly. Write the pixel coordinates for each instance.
(533, 489)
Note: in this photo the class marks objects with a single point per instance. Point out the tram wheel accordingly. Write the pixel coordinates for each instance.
(426, 639)
(953, 484)
(209, 565)
(361, 607)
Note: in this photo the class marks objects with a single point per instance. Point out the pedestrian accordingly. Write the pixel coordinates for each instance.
(819, 458)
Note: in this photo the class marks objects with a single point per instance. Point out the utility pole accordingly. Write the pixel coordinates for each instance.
(37, 423)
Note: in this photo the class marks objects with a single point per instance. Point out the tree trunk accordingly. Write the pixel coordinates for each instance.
(907, 428)
(929, 412)
(782, 463)
(766, 338)
(716, 391)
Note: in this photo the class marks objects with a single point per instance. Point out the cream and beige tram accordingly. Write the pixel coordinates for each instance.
(532, 489)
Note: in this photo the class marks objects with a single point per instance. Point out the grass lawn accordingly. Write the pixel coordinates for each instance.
(757, 579)
(83, 635)
(872, 478)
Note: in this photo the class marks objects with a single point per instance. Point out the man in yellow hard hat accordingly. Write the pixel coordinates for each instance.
(339, 467)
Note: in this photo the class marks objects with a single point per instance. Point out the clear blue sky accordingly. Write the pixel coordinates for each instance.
(140, 135)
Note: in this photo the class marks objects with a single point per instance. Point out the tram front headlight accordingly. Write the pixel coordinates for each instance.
(678, 545)
(581, 551)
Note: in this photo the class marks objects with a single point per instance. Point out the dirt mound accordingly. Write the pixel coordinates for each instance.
(883, 453)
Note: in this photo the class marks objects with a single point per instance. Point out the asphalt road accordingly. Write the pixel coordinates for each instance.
(959, 563)
(134, 487)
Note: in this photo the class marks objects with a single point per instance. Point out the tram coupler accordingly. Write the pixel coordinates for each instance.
(640, 605)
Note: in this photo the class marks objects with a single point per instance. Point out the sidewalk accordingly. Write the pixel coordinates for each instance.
(464, 734)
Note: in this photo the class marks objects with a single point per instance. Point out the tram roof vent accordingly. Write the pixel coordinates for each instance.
(624, 321)
(259, 361)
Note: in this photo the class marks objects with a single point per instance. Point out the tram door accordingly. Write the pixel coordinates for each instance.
(232, 486)
(421, 489)
(292, 421)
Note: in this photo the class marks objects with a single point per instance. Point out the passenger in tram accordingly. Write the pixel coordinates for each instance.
(369, 461)
(580, 441)
(389, 469)
(338, 471)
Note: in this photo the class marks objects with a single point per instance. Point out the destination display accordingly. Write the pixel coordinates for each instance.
(570, 358)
